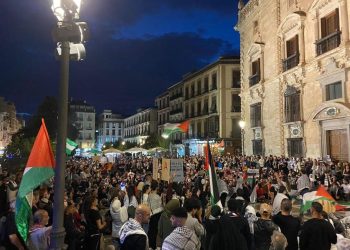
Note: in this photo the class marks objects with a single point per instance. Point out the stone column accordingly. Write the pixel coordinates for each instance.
(262, 67)
(344, 21)
(301, 45)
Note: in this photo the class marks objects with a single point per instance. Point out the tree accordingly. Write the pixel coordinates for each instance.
(155, 140)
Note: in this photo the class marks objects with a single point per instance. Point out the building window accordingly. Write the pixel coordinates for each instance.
(292, 53)
(334, 91)
(236, 130)
(292, 106)
(295, 147)
(255, 76)
(206, 85)
(199, 129)
(213, 108)
(199, 106)
(199, 87)
(236, 103)
(330, 33)
(257, 147)
(186, 93)
(214, 81)
(255, 115)
(236, 79)
(192, 90)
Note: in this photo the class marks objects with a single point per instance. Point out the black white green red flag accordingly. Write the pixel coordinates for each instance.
(210, 168)
(39, 168)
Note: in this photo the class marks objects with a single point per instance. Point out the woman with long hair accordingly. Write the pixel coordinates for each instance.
(94, 224)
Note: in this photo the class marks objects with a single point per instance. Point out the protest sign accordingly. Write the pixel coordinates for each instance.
(177, 170)
(165, 169)
(155, 168)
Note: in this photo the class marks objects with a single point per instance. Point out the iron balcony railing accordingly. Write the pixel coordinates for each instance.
(254, 79)
(328, 43)
(290, 62)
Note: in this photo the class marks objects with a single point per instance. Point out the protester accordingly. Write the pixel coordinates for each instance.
(132, 235)
(288, 224)
(165, 226)
(156, 206)
(182, 238)
(263, 228)
(194, 218)
(317, 233)
(119, 217)
(39, 234)
(278, 241)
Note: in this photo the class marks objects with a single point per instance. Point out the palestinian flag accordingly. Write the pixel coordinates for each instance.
(70, 146)
(170, 128)
(324, 198)
(39, 169)
(209, 167)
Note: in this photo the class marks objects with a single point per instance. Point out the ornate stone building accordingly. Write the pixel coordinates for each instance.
(295, 77)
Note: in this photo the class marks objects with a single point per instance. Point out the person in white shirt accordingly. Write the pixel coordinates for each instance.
(39, 234)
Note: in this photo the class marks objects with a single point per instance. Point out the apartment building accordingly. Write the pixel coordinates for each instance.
(110, 128)
(162, 104)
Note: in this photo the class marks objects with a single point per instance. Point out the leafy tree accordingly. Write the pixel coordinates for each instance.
(155, 140)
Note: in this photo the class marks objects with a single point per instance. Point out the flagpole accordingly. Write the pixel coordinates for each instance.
(58, 231)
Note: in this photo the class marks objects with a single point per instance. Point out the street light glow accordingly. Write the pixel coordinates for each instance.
(62, 8)
(165, 136)
(241, 124)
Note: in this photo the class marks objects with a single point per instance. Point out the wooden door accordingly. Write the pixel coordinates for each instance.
(338, 146)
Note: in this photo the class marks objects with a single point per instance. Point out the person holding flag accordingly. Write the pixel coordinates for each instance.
(39, 168)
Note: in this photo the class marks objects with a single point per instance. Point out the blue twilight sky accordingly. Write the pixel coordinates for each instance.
(136, 50)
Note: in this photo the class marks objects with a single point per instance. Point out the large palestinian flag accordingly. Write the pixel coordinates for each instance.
(170, 128)
(323, 197)
(39, 168)
(209, 167)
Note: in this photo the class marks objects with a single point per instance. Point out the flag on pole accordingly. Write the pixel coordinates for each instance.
(70, 146)
(209, 167)
(39, 168)
(323, 197)
(170, 128)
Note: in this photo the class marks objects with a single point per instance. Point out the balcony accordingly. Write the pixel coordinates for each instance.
(213, 87)
(205, 111)
(213, 110)
(173, 97)
(254, 79)
(175, 111)
(205, 90)
(290, 62)
(236, 108)
(236, 84)
(328, 43)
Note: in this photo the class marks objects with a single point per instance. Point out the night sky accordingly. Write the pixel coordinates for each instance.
(137, 49)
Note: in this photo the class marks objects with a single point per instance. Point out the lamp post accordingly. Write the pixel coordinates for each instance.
(241, 124)
(69, 36)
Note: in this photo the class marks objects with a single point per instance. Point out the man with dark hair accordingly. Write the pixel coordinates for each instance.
(241, 223)
(288, 224)
(303, 183)
(194, 219)
(182, 237)
(317, 233)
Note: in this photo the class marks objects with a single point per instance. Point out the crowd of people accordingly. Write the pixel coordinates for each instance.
(123, 202)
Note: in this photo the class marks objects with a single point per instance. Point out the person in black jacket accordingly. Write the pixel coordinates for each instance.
(238, 220)
(289, 225)
(317, 233)
(132, 235)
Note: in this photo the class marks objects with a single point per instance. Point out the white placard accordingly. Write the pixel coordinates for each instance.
(177, 170)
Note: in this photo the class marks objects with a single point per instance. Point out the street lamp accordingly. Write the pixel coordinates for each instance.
(241, 124)
(69, 36)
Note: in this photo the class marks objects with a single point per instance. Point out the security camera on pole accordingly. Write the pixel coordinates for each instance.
(69, 36)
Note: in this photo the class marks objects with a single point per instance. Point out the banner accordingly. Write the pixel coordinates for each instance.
(177, 170)
(165, 169)
(155, 168)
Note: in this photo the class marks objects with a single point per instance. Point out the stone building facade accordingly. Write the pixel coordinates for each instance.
(295, 77)
(110, 128)
(138, 127)
(162, 104)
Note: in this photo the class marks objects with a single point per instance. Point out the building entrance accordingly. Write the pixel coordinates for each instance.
(337, 144)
